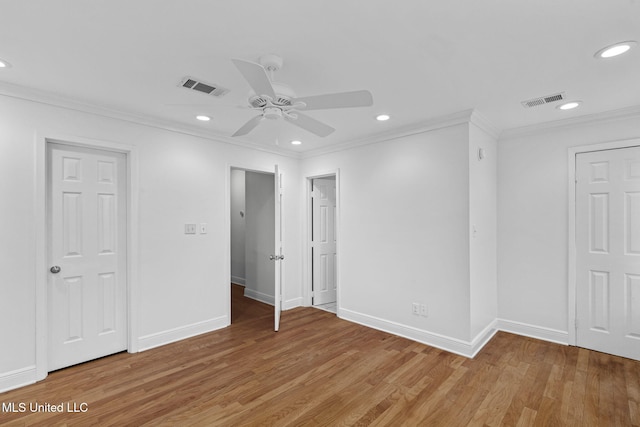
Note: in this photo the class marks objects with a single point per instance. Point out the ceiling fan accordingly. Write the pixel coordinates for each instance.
(276, 100)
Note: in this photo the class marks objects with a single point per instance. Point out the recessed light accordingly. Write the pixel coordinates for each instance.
(569, 105)
(4, 64)
(615, 49)
(296, 142)
(382, 117)
(203, 118)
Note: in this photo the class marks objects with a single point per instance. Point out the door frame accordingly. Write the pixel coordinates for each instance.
(42, 239)
(308, 258)
(571, 185)
(227, 227)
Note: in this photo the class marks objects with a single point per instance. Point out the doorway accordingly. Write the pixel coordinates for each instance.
(255, 228)
(607, 241)
(323, 240)
(87, 192)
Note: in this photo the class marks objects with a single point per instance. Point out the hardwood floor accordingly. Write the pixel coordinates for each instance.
(320, 370)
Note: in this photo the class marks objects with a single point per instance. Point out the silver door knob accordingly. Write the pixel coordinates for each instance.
(55, 269)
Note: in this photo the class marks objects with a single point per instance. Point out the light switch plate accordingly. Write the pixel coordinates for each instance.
(203, 228)
(189, 229)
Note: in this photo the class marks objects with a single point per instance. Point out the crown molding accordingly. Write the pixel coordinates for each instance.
(399, 132)
(484, 124)
(55, 100)
(606, 116)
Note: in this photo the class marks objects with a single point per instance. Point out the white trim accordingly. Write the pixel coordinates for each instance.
(571, 238)
(158, 339)
(237, 280)
(42, 138)
(532, 331)
(227, 239)
(452, 345)
(48, 98)
(259, 296)
(292, 303)
(483, 337)
(338, 240)
(598, 118)
(307, 261)
(483, 123)
(18, 378)
(454, 119)
(267, 299)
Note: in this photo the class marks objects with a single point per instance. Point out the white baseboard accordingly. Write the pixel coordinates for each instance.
(292, 303)
(238, 280)
(532, 331)
(259, 296)
(18, 378)
(158, 339)
(483, 337)
(453, 345)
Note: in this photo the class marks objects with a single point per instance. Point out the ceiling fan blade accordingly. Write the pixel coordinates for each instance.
(256, 76)
(358, 98)
(312, 125)
(249, 126)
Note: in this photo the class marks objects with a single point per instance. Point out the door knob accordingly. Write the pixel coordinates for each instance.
(55, 269)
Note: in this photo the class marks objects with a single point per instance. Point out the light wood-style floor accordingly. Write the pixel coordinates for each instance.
(323, 371)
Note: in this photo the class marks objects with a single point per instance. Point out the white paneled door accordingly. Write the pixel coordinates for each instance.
(608, 251)
(87, 254)
(324, 240)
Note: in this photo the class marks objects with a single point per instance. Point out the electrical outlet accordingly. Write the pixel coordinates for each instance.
(189, 229)
(415, 308)
(424, 311)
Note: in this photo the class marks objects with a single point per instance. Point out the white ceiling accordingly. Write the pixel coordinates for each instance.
(420, 59)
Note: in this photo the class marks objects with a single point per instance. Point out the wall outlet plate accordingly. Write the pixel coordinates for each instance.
(415, 308)
(424, 310)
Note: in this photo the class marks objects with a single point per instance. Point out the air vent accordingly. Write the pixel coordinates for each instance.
(543, 100)
(200, 86)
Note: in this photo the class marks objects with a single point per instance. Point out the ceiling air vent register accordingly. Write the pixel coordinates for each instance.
(200, 86)
(543, 100)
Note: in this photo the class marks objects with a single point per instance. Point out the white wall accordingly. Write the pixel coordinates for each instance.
(238, 226)
(403, 236)
(260, 236)
(183, 282)
(406, 208)
(483, 219)
(533, 218)
(17, 243)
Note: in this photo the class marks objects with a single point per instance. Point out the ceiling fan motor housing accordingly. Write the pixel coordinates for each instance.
(284, 95)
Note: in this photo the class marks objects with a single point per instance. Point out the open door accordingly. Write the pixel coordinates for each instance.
(278, 256)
